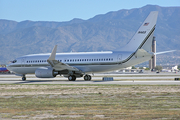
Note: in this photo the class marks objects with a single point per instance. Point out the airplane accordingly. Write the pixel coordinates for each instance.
(3, 70)
(78, 64)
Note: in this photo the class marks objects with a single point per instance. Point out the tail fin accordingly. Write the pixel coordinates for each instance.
(143, 37)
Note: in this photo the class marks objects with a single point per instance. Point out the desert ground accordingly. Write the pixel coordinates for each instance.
(90, 102)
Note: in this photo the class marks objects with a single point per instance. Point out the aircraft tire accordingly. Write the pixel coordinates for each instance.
(23, 78)
(72, 78)
(87, 78)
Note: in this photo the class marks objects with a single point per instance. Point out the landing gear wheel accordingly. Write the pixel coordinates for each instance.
(23, 78)
(87, 78)
(72, 78)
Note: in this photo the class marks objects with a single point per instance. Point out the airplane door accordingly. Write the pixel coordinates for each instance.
(23, 61)
(119, 58)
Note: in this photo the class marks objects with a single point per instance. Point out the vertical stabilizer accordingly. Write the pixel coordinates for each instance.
(144, 36)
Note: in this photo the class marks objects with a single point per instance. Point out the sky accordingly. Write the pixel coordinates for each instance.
(66, 10)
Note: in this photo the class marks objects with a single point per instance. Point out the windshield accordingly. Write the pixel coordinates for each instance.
(14, 61)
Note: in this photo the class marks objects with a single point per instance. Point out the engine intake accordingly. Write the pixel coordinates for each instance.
(45, 72)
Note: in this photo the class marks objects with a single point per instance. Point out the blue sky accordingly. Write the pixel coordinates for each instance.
(65, 10)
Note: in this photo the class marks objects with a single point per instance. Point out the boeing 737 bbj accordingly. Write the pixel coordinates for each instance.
(74, 65)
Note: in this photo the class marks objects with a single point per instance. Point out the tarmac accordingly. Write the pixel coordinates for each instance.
(119, 79)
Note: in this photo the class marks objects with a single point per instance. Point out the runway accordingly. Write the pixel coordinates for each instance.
(92, 82)
(144, 79)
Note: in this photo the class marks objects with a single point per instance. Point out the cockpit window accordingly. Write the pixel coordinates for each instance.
(14, 61)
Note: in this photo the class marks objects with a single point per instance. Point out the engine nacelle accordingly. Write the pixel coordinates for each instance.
(45, 72)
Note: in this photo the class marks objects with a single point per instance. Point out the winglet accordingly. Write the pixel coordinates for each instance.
(53, 54)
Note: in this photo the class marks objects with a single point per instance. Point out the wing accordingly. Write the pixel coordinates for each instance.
(58, 66)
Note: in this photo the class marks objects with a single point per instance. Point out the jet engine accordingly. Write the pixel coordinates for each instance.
(45, 72)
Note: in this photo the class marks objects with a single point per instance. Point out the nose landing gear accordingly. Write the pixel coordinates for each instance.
(23, 78)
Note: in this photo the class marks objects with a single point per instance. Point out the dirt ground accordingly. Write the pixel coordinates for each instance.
(89, 102)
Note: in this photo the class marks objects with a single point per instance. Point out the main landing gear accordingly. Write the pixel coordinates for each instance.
(87, 78)
(73, 78)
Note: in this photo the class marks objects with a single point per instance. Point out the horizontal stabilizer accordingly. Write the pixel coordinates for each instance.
(164, 52)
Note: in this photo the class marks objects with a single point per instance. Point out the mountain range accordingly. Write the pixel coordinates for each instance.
(103, 32)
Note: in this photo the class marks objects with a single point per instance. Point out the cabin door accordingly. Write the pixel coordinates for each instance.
(119, 58)
(23, 62)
